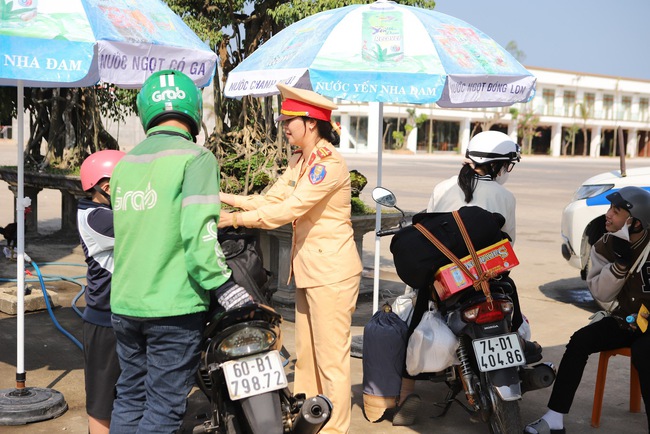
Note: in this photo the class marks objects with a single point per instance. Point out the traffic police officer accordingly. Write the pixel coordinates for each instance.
(314, 195)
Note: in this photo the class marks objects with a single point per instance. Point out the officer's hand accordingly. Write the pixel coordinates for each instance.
(233, 297)
(228, 199)
(225, 220)
(622, 250)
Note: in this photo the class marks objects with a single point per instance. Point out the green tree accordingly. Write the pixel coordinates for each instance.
(584, 114)
(570, 139)
(513, 49)
(527, 123)
(412, 122)
(69, 120)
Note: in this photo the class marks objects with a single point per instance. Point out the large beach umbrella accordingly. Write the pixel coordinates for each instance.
(385, 52)
(77, 43)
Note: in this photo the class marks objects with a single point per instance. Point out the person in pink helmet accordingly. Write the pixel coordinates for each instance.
(95, 224)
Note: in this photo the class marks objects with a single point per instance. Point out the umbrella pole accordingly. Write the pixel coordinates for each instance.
(25, 404)
(377, 111)
(20, 260)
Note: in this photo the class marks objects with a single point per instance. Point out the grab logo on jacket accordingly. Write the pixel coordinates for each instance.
(135, 200)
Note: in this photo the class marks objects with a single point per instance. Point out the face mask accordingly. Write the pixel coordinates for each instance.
(624, 232)
(502, 177)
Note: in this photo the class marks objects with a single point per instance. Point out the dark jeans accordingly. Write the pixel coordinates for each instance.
(158, 359)
(603, 335)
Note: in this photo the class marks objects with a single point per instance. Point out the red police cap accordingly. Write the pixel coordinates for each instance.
(302, 102)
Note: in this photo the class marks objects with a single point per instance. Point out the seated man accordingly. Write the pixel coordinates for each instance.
(619, 271)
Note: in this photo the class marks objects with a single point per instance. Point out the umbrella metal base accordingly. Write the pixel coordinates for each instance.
(356, 349)
(31, 404)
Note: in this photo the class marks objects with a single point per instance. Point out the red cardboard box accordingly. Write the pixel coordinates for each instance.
(498, 258)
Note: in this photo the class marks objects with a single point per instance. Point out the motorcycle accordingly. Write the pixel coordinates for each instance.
(492, 368)
(242, 374)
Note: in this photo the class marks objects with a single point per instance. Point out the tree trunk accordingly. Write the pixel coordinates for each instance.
(69, 120)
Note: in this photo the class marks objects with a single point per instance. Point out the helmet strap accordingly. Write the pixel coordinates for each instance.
(493, 169)
(98, 189)
(633, 227)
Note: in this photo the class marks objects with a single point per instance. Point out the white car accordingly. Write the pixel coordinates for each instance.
(583, 220)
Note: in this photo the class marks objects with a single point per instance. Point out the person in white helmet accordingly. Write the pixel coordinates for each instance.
(490, 157)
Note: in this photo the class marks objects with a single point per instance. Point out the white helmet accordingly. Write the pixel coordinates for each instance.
(491, 146)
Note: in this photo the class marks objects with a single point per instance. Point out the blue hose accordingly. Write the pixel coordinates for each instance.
(43, 278)
(49, 309)
(75, 299)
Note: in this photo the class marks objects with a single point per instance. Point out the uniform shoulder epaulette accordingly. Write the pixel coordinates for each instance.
(323, 152)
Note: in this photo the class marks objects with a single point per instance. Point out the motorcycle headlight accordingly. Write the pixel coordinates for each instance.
(246, 341)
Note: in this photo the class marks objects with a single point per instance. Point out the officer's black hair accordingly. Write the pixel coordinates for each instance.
(325, 130)
(468, 176)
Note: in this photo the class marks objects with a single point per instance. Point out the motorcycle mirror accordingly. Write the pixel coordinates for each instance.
(384, 197)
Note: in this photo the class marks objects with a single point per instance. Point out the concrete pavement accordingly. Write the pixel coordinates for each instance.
(53, 361)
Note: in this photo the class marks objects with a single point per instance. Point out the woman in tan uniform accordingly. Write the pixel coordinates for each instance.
(314, 195)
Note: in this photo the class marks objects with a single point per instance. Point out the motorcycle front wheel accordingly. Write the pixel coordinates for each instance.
(230, 420)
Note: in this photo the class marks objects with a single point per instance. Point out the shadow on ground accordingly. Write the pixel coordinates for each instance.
(572, 291)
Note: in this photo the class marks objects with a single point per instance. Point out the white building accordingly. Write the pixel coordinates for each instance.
(609, 104)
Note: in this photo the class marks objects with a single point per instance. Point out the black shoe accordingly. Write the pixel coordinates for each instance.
(405, 414)
(532, 352)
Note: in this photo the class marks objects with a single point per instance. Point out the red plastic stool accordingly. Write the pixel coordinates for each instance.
(635, 387)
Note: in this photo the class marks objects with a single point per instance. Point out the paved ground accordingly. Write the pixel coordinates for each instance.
(554, 299)
(53, 361)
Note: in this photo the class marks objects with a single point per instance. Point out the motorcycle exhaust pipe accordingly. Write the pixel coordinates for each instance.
(537, 377)
(314, 414)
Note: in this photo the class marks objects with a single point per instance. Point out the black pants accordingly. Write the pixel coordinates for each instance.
(422, 305)
(603, 335)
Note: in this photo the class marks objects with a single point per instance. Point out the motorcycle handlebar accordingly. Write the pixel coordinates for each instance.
(391, 231)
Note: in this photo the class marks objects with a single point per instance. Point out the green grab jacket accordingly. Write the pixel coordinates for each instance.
(165, 197)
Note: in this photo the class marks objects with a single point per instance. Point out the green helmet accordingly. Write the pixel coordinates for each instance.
(170, 94)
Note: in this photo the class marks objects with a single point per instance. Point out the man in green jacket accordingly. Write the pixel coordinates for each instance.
(167, 257)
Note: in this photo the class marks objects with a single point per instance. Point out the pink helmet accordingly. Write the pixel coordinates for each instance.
(98, 166)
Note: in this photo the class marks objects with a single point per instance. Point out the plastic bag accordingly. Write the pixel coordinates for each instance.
(432, 346)
(403, 305)
(524, 329)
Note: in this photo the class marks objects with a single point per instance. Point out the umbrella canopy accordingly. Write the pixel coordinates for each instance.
(77, 43)
(386, 52)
